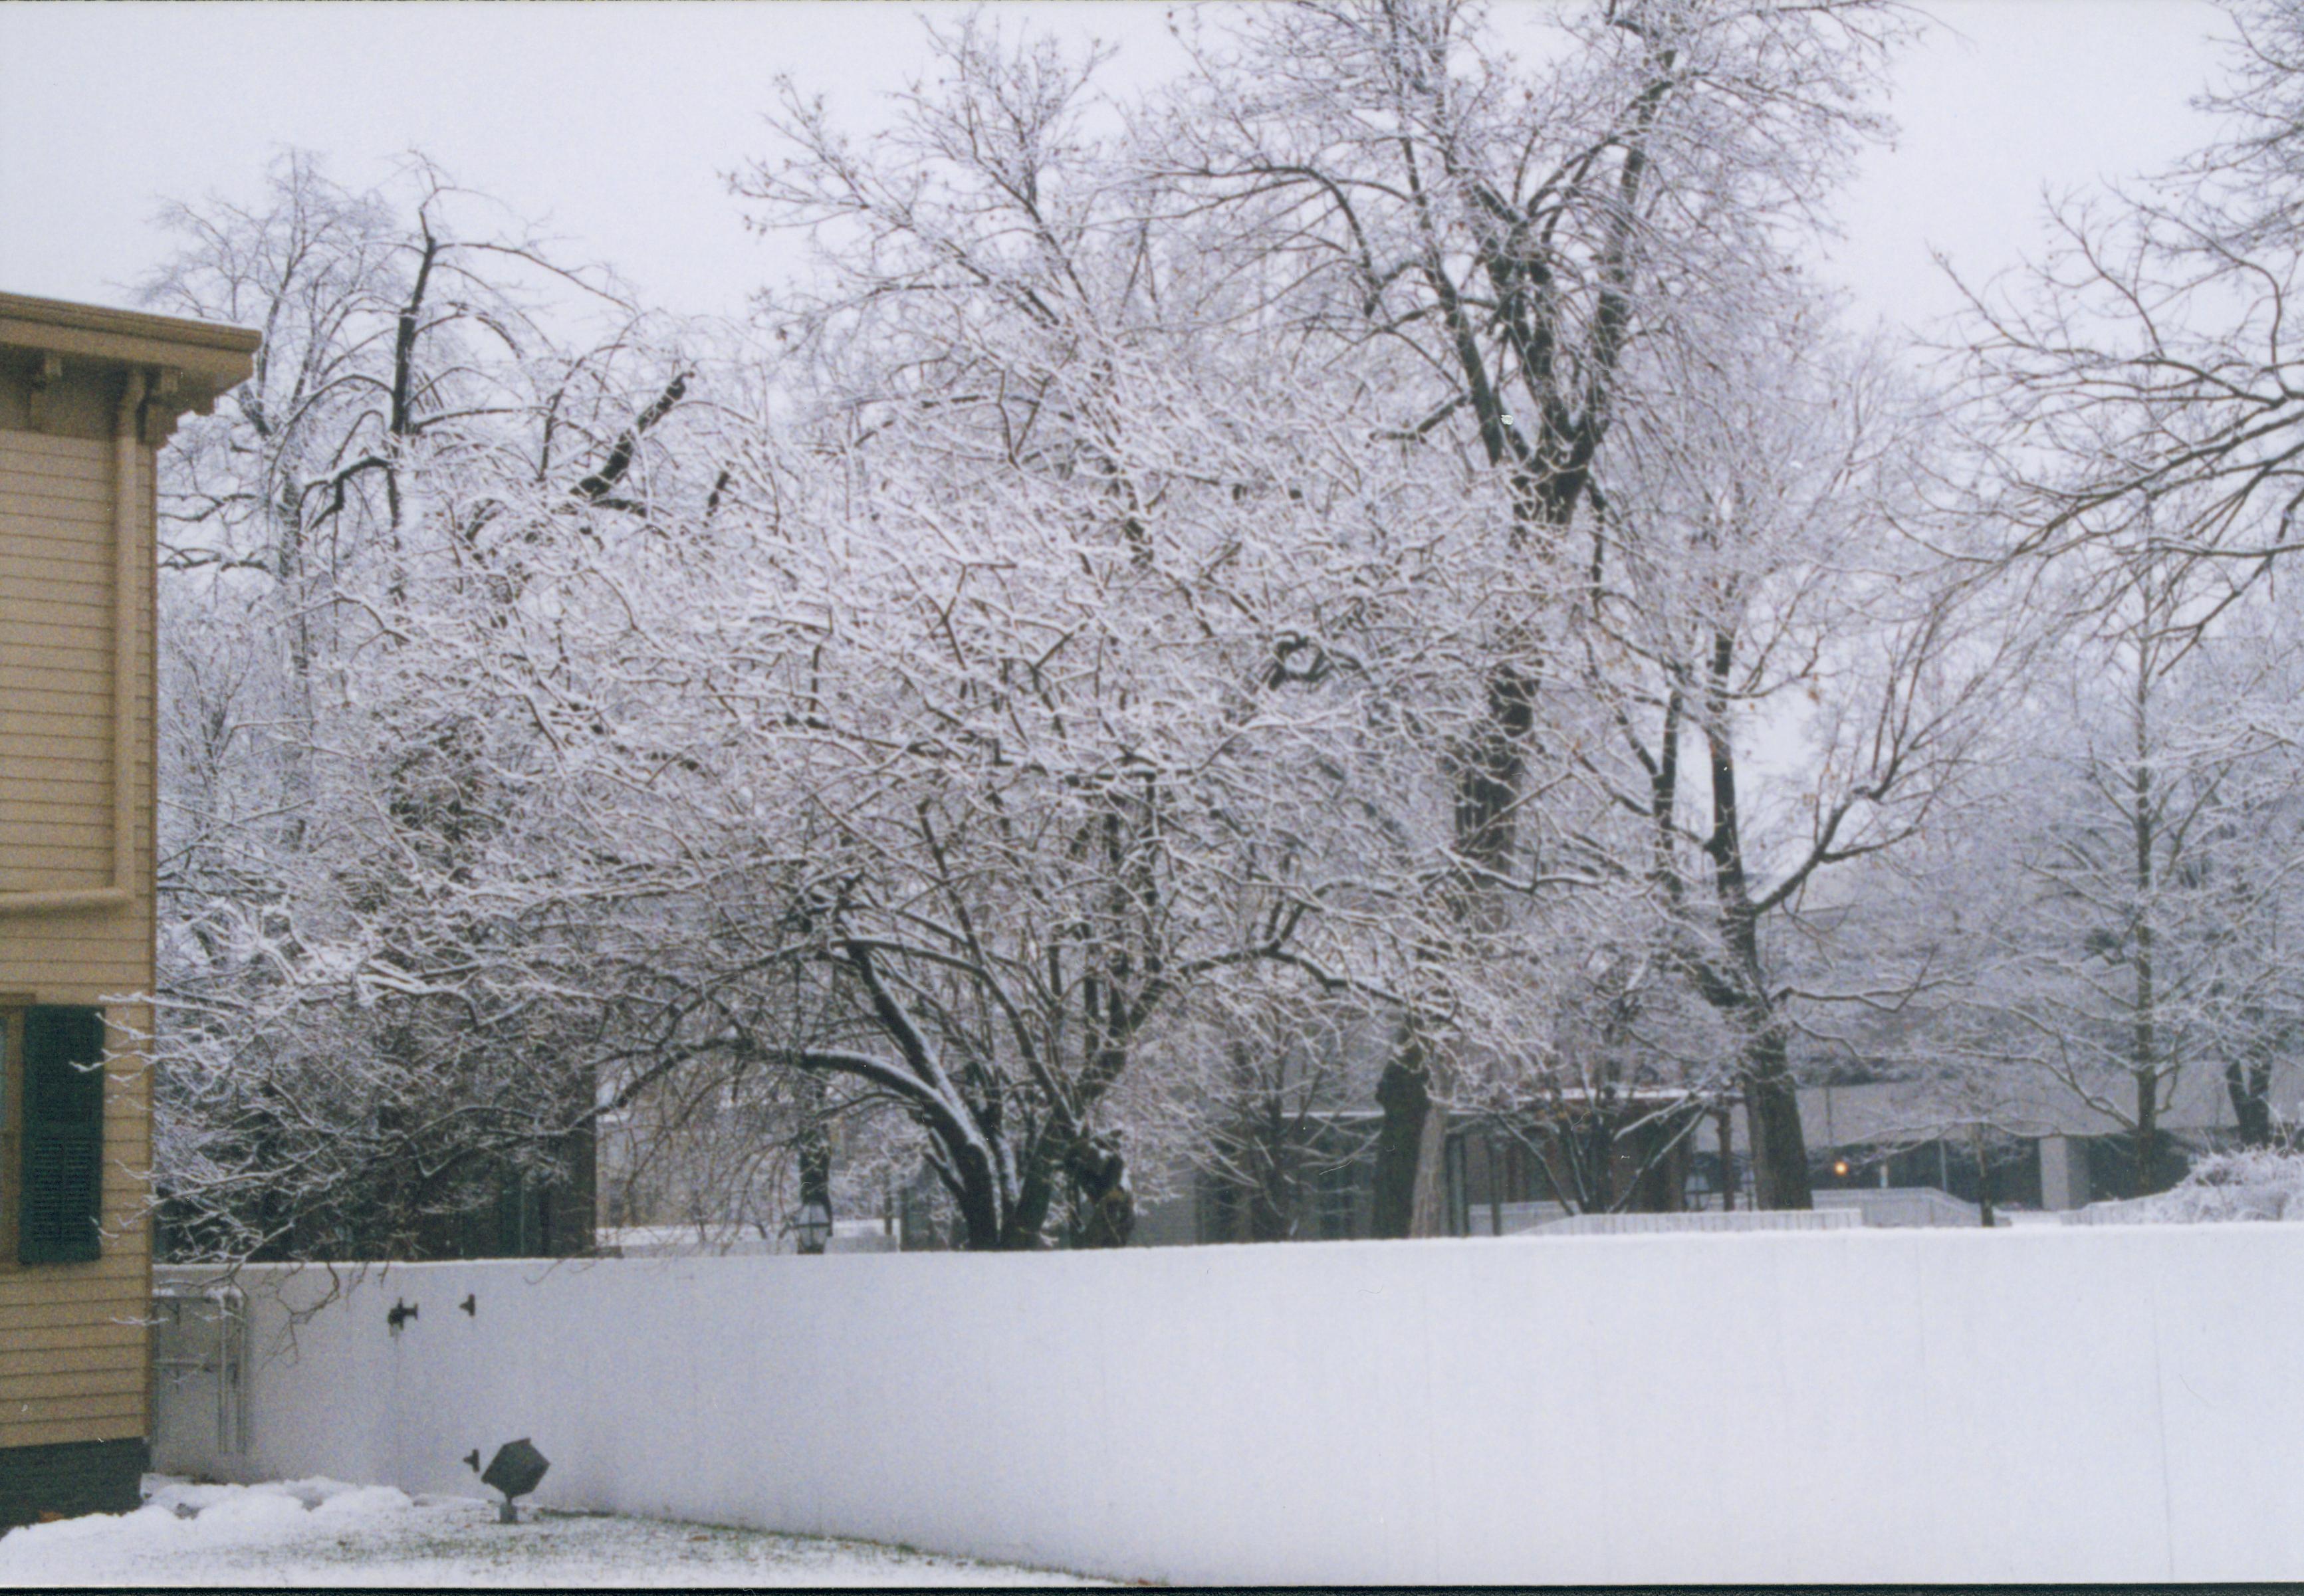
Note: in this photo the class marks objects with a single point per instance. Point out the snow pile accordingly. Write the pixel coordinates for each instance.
(321, 1531)
(180, 1519)
(2252, 1184)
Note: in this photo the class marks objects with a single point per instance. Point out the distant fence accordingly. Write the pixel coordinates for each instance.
(2119, 1210)
(738, 1241)
(1894, 1207)
(1511, 1219)
(1881, 1208)
(1673, 1223)
(2100, 1404)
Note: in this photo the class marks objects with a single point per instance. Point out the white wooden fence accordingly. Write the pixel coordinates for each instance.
(2037, 1404)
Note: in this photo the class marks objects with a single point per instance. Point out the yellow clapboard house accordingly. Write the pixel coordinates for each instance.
(87, 396)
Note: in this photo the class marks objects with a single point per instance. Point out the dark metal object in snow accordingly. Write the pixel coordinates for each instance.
(400, 1313)
(813, 1226)
(516, 1469)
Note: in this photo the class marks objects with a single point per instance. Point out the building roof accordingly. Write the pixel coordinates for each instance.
(2020, 1101)
(199, 359)
(29, 322)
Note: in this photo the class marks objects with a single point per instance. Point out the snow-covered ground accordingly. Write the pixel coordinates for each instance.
(325, 1533)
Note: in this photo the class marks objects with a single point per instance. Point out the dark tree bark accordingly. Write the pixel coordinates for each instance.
(2144, 1029)
(2146, 1139)
(1404, 1094)
(815, 1173)
(2248, 1085)
(1763, 1070)
(1983, 1177)
(1548, 460)
(1104, 1205)
(1772, 1118)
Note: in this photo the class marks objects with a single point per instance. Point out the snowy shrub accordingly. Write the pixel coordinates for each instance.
(2257, 1183)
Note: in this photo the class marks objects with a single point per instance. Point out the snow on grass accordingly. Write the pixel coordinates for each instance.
(325, 1533)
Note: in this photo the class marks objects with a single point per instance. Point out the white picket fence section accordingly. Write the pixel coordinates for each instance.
(2119, 1210)
(1516, 1219)
(2116, 1402)
(1846, 1218)
(1889, 1206)
(1892, 1207)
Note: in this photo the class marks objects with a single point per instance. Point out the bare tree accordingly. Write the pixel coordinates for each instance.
(2144, 365)
(1509, 235)
(347, 1038)
(2139, 930)
(1035, 690)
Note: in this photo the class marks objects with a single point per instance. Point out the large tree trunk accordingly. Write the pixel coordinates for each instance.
(2144, 1039)
(2144, 1042)
(2249, 1087)
(1408, 1199)
(1771, 1099)
(1428, 1210)
(1550, 479)
(987, 1220)
(1401, 1168)
(1983, 1177)
(1772, 1120)
(2141, 1182)
(1274, 1191)
(1104, 1211)
(1270, 1216)
(1267, 1182)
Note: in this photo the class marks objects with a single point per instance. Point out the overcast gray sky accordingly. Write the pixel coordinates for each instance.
(615, 123)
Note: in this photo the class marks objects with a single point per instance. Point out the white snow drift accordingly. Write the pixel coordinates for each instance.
(322, 1532)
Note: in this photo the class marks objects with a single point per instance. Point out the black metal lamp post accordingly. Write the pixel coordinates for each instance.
(813, 1226)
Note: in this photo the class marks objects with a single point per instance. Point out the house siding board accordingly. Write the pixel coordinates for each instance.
(102, 1416)
(68, 835)
(61, 495)
(63, 1351)
(124, 1305)
(56, 607)
(53, 735)
(101, 1377)
(56, 699)
(24, 598)
(55, 686)
(59, 481)
(57, 529)
(79, 789)
(41, 638)
(22, 647)
(62, 1346)
(51, 470)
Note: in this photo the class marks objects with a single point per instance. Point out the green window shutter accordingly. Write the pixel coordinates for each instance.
(61, 1184)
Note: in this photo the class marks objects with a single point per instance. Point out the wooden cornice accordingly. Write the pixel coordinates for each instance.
(187, 363)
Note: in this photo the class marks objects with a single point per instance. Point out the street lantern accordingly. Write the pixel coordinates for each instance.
(516, 1469)
(813, 1227)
